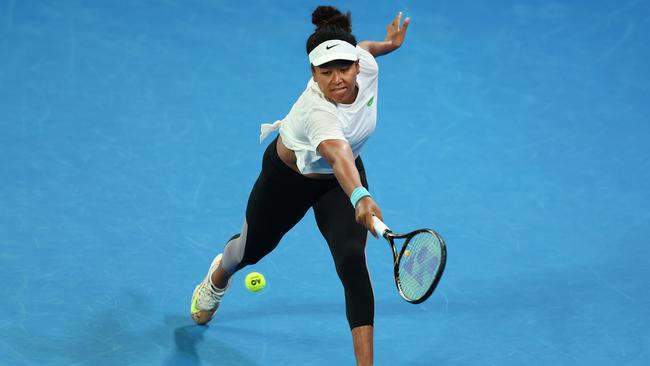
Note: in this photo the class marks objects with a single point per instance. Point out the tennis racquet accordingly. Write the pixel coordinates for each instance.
(418, 266)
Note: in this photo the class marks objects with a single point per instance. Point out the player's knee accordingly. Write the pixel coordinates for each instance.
(252, 259)
(351, 262)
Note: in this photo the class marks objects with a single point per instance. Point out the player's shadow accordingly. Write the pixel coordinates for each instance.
(186, 338)
(185, 352)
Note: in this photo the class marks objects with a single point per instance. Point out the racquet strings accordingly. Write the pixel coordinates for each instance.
(419, 265)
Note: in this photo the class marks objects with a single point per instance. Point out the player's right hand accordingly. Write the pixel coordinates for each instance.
(364, 211)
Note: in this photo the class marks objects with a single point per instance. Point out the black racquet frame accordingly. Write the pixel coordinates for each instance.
(387, 234)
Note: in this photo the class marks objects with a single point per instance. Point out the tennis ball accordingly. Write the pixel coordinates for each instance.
(255, 281)
(407, 253)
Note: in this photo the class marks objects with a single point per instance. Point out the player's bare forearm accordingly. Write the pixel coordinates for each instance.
(395, 33)
(378, 48)
(339, 155)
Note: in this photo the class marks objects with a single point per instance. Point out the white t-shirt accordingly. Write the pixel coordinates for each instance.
(313, 119)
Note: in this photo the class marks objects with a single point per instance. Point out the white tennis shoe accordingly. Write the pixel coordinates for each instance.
(206, 298)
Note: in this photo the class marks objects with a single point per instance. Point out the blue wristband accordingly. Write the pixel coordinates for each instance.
(358, 194)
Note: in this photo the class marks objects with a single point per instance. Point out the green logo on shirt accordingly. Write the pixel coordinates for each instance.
(369, 104)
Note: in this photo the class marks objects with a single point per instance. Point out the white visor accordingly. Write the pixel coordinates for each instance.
(334, 49)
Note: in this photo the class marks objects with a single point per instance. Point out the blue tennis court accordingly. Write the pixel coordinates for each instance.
(129, 144)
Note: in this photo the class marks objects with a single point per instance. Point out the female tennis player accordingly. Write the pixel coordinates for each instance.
(314, 163)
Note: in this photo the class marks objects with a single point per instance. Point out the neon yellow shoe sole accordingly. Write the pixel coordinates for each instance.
(200, 317)
(203, 316)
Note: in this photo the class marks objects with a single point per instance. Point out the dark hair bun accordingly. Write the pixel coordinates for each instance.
(328, 16)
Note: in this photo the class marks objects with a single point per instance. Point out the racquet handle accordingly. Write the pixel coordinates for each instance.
(379, 226)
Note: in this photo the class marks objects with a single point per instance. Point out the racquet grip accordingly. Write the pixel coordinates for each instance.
(379, 226)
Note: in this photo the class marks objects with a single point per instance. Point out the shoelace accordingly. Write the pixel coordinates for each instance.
(208, 298)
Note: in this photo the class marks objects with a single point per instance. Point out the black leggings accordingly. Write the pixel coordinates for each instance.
(279, 199)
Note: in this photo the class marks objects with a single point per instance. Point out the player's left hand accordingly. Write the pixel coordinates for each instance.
(396, 30)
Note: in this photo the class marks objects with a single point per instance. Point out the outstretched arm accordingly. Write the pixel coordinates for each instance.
(395, 33)
(339, 155)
